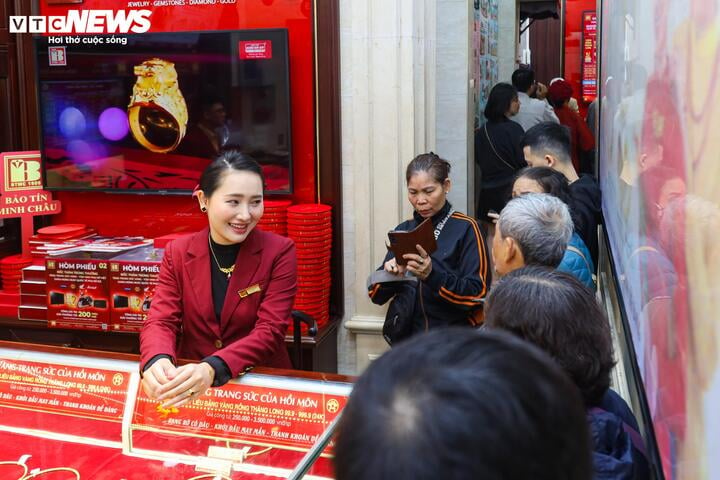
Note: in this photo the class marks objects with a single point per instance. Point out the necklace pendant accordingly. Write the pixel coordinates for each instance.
(228, 275)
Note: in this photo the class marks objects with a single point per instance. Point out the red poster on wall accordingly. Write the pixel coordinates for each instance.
(589, 56)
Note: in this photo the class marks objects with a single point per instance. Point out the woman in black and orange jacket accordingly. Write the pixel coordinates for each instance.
(453, 280)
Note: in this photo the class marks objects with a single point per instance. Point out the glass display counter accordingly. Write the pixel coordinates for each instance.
(67, 415)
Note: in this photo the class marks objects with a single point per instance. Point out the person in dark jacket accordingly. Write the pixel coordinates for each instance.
(548, 145)
(452, 281)
(554, 311)
(498, 155)
(463, 405)
(577, 260)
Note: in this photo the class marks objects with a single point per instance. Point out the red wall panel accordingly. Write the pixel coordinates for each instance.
(152, 215)
(572, 17)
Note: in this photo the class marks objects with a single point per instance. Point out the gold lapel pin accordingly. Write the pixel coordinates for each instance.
(249, 290)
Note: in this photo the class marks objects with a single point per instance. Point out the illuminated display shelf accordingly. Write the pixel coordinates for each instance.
(84, 413)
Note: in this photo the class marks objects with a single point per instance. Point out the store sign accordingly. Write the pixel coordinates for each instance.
(261, 415)
(589, 56)
(22, 192)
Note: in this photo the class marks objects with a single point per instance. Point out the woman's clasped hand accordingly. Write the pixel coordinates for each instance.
(176, 386)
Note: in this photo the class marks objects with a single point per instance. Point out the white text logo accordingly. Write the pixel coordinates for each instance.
(86, 21)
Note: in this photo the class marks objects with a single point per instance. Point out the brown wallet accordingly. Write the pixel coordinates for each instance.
(403, 242)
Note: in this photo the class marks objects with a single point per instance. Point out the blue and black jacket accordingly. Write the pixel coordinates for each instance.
(454, 291)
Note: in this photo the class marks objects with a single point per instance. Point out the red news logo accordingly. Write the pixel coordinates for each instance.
(256, 49)
(23, 174)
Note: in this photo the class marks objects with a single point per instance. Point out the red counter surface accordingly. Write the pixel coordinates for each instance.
(83, 413)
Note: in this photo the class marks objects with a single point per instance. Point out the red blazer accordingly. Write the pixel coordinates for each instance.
(182, 323)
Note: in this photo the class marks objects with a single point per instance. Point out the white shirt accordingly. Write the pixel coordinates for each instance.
(533, 111)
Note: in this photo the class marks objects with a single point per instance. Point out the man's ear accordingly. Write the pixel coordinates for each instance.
(551, 161)
(510, 249)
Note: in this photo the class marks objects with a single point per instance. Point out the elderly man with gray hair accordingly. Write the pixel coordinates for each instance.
(533, 229)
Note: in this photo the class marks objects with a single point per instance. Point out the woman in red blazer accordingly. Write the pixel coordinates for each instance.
(225, 293)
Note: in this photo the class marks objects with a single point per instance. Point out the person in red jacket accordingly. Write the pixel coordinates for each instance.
(225, 293)
(581, 138)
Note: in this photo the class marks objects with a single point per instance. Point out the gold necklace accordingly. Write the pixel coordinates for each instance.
(227, 271)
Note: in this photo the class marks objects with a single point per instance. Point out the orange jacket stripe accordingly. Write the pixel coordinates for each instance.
(483, 264)
(452, 300)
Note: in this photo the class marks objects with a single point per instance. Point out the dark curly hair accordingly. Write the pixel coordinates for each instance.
(557, 313)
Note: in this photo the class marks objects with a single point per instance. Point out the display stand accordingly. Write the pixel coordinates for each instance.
(84, 413)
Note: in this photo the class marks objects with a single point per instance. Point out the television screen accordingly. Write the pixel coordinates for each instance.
(148, 112)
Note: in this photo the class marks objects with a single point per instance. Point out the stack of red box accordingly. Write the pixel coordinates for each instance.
(49, 238)
(33, 294)
(310, 226)
(275, 217)
(11, 272)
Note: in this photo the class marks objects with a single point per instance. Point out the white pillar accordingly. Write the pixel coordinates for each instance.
(508, 42)
(393, 108)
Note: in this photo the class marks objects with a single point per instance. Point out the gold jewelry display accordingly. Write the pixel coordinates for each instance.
(157, 112)
(18, 464)
(50, 470)
(227, 271)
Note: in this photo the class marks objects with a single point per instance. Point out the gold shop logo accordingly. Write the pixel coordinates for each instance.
(332, 405)
(22, 173)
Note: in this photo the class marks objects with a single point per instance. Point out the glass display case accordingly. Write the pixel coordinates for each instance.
(72, 414)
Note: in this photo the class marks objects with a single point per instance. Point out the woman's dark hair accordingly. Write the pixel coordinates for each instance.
(557, 313)
(431, 163)
(550, 180)
(501, 96)
(225, 162)
(461, 404)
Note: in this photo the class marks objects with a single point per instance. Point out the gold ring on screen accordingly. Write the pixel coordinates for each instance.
(157, 112)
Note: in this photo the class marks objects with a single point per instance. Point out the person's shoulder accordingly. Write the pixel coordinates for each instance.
(514, 128)
(183, 241)
(465, 222)
(273, 241)
(614, 403)
(585, 182)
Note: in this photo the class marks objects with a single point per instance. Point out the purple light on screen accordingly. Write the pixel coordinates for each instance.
(80, 151)
(72, 122)
(113, 124)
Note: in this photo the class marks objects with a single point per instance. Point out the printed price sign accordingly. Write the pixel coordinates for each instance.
(589, 59)
(263, 415)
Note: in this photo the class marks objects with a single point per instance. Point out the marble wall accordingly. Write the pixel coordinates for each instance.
(507, 43)
(404, 90)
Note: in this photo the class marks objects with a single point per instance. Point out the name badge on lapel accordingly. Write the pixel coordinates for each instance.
(249, 290)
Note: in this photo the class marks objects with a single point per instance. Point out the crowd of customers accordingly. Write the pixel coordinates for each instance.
(527, 394)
